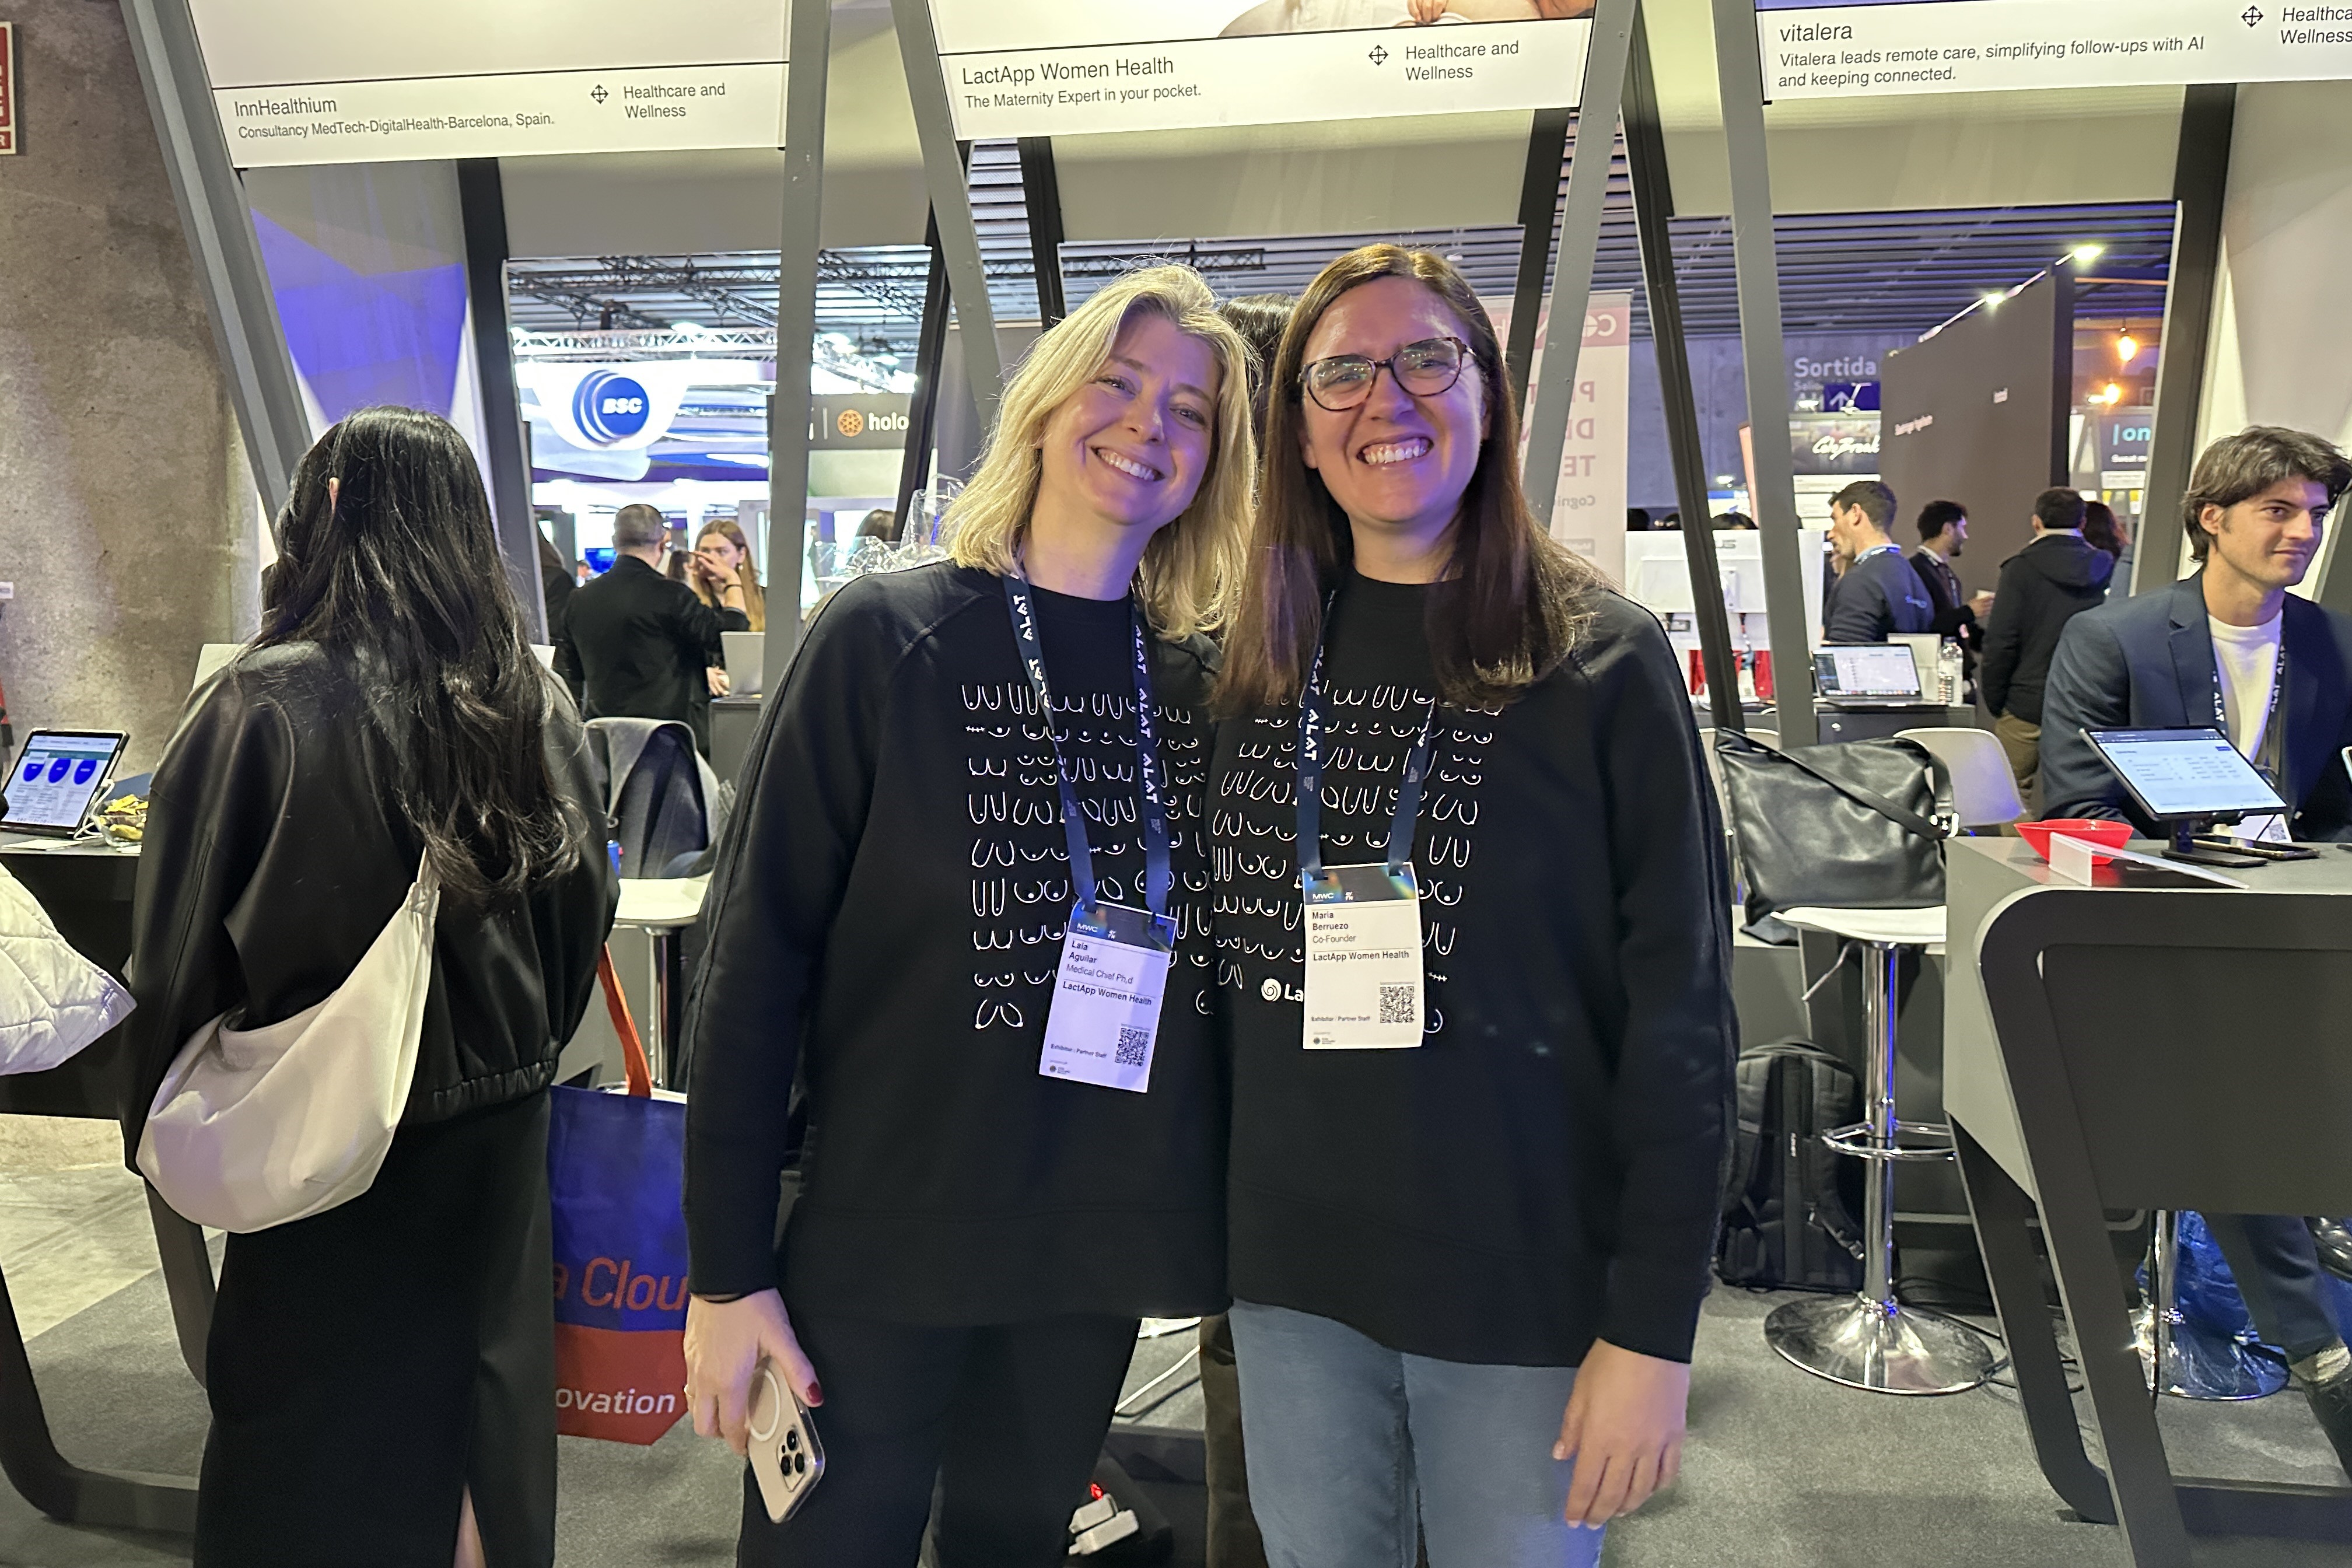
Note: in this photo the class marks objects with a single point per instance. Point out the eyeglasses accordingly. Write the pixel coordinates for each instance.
(1424, 369)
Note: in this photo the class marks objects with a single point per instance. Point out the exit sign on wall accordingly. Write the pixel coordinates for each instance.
(7, 87)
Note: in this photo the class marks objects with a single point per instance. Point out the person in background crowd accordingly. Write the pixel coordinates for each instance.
(1943, 536)
(639, 643)
(2229, 647)
(881, 523)
(557, 584)
(1234, 1539)
(1731, 522)
(390, 707)
(1637, 520)
(2042, 587)
(2102, 530)
(1875, 593)
(723, 543)
(1004, 1172)
(1466, 1276)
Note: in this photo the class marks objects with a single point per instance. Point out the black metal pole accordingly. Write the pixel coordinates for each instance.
(2200, 179)
(930, 343)
(1539, 207)
(482, 208)
(1654, 204)
(1041, 196)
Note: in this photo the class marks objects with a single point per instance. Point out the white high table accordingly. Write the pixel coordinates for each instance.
(660, 906)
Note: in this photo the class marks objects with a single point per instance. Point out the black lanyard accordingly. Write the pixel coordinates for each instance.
(1310, 780)
(1147, 756)
(2269, 745)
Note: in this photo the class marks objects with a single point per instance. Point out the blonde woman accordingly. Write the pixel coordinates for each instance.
(722, 546)
(1006, 1165)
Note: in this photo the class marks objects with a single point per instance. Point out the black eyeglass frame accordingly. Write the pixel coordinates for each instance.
(1307, 372)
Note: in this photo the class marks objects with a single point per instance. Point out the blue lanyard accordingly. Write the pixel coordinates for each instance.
(1310, 780)
(1147, 756)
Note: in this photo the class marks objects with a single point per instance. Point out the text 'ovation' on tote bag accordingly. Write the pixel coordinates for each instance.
(258, 1127)
(615, 1182)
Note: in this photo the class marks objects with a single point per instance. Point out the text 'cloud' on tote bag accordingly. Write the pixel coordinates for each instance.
(257, 1128)
(615, 1178)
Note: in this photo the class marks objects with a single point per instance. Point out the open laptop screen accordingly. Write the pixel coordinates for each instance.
(1880, 672)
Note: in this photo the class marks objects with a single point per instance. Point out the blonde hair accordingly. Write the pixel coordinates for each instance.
(1191, 567)
(755, 599)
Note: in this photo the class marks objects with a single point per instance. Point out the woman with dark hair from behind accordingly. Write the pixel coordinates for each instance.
(382, 1374)
(2102, 530)
(1482, 1060)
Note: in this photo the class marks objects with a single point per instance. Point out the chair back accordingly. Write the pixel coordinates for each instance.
(1984, 792)
(658, 796)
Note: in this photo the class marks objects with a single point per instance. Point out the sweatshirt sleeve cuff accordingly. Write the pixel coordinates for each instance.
(1654, 1311)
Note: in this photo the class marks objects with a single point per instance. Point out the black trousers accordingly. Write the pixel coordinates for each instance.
(2276, 1266)
(1234, 1539)
(369, 1364)
(1006, 1421)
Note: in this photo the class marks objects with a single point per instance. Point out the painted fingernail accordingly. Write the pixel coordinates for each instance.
(1560, 1450)
(816, 1393)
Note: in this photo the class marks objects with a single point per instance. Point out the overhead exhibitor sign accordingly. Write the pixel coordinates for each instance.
(1816, 51)
(1053, 67)
(295, 81)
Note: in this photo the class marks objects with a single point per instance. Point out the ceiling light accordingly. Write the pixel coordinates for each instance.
(2127, 347)
(2114, 394)
(2086, 254)
(1993, 298)
(686, 327)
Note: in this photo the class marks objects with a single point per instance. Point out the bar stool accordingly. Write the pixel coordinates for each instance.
(1872, 1341)
(660, 906)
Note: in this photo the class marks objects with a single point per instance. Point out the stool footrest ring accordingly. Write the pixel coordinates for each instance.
(1858, 1140)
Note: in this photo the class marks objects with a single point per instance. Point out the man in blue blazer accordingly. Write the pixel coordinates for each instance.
(2255, 511)
(2232, 648)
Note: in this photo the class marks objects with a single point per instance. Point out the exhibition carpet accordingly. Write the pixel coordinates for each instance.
(1783, 1470)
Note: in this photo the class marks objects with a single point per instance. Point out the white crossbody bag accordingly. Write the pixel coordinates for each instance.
(257, 1128)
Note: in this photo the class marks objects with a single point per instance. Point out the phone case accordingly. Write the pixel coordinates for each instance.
(786, 1457)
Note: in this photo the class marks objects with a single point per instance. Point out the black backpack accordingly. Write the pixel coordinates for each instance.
(1791, 1205)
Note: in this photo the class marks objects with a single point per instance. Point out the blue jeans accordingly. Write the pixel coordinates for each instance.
(1347, 1435)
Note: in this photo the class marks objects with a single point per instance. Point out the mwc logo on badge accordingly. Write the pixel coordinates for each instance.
(610, 408)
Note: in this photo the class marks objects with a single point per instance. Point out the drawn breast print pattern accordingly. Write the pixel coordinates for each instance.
(1021, 890)
(1254, 830)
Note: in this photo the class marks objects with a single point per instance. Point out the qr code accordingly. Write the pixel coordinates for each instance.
(1134, 1048)
(1396, 1004)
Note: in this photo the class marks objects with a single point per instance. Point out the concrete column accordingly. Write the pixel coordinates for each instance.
(128, 522)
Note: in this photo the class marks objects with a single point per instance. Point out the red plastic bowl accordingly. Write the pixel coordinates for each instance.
(2098, 830)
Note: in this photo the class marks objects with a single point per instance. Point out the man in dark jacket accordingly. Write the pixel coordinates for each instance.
(2043, 587)
(2232, 648)
(1878, 594)
(639, 642)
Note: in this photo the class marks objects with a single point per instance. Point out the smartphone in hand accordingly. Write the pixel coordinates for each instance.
(786, 1457)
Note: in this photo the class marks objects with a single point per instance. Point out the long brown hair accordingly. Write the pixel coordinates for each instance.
(1511, 603)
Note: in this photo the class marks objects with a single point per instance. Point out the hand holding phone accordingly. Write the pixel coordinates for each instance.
(786, 1457)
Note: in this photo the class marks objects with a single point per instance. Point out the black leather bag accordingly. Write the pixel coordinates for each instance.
(1841, 826)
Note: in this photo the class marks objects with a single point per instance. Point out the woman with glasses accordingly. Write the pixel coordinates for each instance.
(1473, 955)
(964, 902)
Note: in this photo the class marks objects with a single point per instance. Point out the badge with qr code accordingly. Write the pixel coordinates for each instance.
(1363, 960)
(1105, 1017)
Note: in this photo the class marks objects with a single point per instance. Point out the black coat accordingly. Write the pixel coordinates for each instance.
(2042, 587)
(2146, 662)
(274, 857)
(639, 643)
(1946, 598)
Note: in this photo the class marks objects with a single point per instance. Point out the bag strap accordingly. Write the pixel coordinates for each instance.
(640, 1072)
(1901, 816)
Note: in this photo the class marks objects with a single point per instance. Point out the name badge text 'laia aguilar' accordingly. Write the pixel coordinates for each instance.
(1364, 985)
(1103, 1021)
